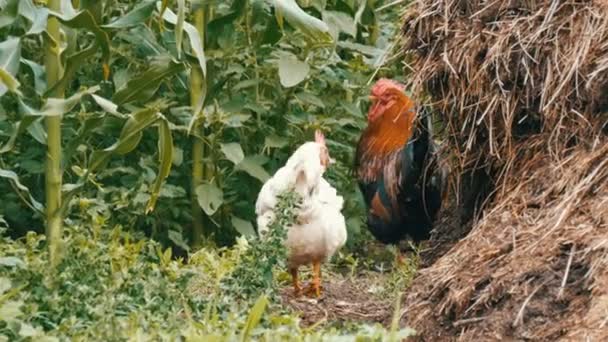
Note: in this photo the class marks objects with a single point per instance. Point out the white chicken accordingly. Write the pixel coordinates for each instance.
(320, 229)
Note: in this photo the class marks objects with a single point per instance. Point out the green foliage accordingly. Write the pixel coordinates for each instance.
(271, 76)
(254, 273)
(114, 287)
(272, 72)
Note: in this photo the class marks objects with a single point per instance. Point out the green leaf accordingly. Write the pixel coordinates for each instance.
(8, 83)
(143, 87)
(178, 156)
(136, 16)
(309, 98)
(179, 26)
(39, 75)
(165, 159)
(209, 197)
(196, 42)
(129, 137)
(196, 45)
(22, 126)
(84, 20)
(8, 12)
(10, 175)
(73, 62)
(178, 239)
(38, 16)
(275, 141)
(254, 168)
(255, 316)
(233, 152)
(107, 105)
(32, 122)
(5, 283)
(11, 310)
(292, 71)
(10, 54)
(351, 108)
(11, 262)
(298, 18)
(340, 22)
(242, 226)
(58, 106)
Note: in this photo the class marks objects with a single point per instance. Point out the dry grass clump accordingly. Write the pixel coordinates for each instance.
(523, 88)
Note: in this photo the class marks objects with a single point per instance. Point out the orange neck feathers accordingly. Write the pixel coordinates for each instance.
(391, 129)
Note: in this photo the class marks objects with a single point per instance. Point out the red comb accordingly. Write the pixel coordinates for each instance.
(383, 84)
(319, 137)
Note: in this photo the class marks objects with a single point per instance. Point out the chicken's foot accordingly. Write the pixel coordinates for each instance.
(296, 285)
(314, 289)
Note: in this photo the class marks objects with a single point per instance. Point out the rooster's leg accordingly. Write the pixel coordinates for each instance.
(399, 258)
(294, 277)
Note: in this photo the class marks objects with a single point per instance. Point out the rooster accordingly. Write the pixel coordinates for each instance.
(320, 228)
(396, 166)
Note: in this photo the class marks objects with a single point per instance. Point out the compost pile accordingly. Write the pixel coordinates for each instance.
(523, 88)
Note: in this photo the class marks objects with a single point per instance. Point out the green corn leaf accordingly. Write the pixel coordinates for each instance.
(73, 62)
(298, 18)
(165, 158)
(12, 176)
(10, 54)
(8, 12)
(39, 75)
(136, 16)
(129, 137)
(163, 7)
(84, 19)
(22, 126)
(59, 106)
(143, 87)
(38, 16)
(33, 123)
(197, 49)
(8, 83)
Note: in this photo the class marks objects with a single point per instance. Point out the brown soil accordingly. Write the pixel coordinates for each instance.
(343, 299)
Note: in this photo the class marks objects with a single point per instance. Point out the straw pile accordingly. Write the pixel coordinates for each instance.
(523, 88)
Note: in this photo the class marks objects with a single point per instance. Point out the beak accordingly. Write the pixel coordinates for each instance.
(372, 98)
(331, 161)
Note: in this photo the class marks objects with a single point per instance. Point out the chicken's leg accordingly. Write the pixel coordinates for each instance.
(399, 258)
(315, 287)
(296, 284)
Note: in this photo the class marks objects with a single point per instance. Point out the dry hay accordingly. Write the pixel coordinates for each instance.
(535, 266)
(523, 88)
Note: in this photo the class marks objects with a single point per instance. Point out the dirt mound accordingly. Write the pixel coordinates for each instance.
(522, 86)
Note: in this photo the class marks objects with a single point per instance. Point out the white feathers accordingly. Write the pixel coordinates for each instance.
(320, 229)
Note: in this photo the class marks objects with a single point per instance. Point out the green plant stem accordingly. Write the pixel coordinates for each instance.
(54, 72)
(198, 150)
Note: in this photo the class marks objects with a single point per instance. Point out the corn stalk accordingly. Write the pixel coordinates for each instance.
(198, 148)
(54, 72)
